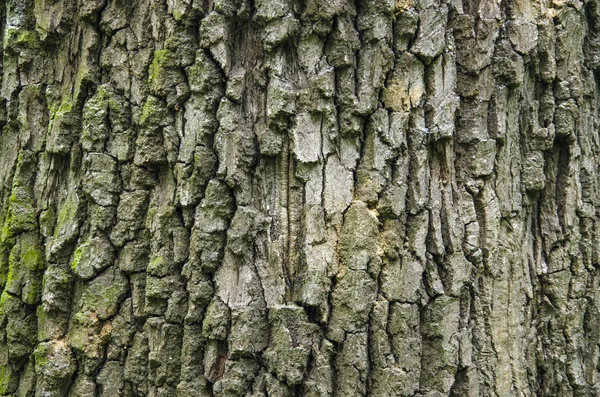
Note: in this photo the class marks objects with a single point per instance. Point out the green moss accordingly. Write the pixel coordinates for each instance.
(156, 262)
(4, 297)
(150, 215)
(102, 93)
(27, 38)
(77, 255)
(65, 107)
(95, 107)
(19, 39)
(163, 74)
(22, 215)
(53, 100)
(59, 107)
(6, 235)
(177, 14)
(13, 265)
(147, 111)
(81, 318)
(158, 266)
(41, 357)
(4, 378)
(159, 62)
(67, 214)
(153, 111)
(32, 258)
(24, 269)
(170, 44)
(7, 381)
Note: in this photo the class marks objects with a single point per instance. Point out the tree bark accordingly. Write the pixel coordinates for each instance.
(299, 198)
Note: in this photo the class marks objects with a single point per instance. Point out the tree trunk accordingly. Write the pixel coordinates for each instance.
(299, 198)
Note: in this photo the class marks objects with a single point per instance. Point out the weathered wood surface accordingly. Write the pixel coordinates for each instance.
(299, 198)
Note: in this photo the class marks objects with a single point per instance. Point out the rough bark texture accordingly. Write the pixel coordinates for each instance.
(299, 198)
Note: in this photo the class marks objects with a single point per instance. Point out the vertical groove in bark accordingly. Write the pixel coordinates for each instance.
(281, 198)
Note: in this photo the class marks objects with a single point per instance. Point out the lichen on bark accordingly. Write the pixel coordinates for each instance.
(299, 198)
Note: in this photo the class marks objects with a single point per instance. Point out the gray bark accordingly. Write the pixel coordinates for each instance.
(299, 198)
